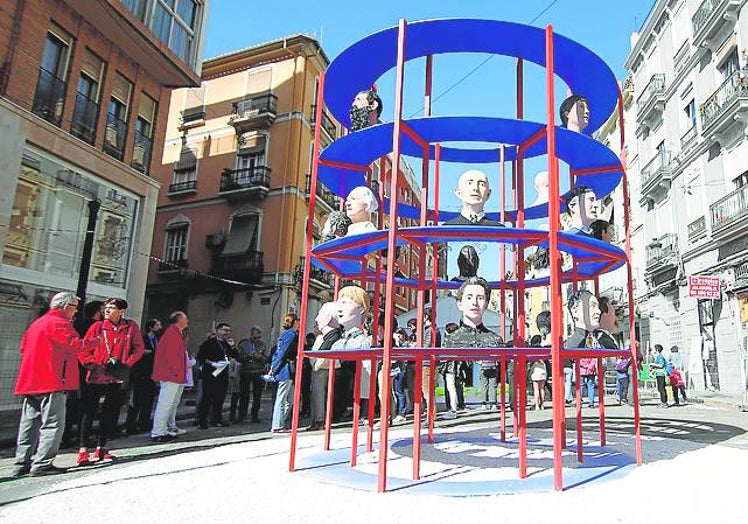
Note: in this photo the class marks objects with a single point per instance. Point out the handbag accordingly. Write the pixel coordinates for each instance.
(117, 370)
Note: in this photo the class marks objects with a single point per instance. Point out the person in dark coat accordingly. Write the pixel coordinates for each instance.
(213, 359)
(143, 386)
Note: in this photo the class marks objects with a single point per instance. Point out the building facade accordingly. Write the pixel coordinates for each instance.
(84, 90)
(688, 67)
(236, 170)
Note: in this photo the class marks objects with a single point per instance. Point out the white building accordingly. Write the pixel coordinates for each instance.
(688, 165)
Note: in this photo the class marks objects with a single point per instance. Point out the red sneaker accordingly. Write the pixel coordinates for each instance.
(83, 459)
(103, 455)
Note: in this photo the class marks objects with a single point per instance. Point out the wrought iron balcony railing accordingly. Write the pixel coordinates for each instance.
(734, 88)
(322, 192)
(85, 113)
(141, 152)
(655, 87)
(114, 136)
(729, 209)
(697, 229)
(49, 97)
(327, 124)
(655, 170)
(181, 187)
(662, 252)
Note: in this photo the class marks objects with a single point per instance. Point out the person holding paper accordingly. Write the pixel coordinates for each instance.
(213, 359)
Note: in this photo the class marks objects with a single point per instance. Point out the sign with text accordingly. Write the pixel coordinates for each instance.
(703, 287)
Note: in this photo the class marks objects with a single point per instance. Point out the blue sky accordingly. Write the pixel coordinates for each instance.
(604, 26)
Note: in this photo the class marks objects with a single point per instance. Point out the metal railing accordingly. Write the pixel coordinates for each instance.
(703, 14)
(85, 113)
(178, 187)
(681, 57)
(657, 166)
(662, 249)
(49, 97)
(114, 136)
(655, 86)
(734, 87)
(322, 192)
(168, 266)
(248, 107)
(688, 137)
(697, 229)
(327, 124)
(192, 114)
(249, 265)
(730, 208)
(741, 273)
(315, 273)
(141, 152)
(245, 178)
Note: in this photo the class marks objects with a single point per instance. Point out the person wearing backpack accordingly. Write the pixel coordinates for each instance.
(622, 379)
(661, 369)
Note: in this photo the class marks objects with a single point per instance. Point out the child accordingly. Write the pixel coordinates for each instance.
(678, 385)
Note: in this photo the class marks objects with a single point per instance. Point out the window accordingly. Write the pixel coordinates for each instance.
(136, 7)
(50, 88)
(243, 235)
(741, 181)
(729, 65)
(86, 109)
(250, 162)
(690, 111)
(174, 24)
(176, 243)
(50, 211)
(141, 154)
(116, 124)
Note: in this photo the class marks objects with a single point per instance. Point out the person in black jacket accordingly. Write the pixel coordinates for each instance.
(213, 359)
(143, 387)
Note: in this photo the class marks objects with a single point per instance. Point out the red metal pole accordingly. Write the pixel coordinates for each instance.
(580, 430)
(554, 211)
(502, 297)
(330, 401)
(630, 284)
(434, 275)
(384, 425)
(307, 268)
(356, 413)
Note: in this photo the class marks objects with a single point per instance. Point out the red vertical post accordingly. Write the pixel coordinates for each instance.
(330, 400)
(502, 297)
(356, 413)
(434, 276)
(554, 211)
(307, 268)
(630, 285)
(580, 429)
(384, 425)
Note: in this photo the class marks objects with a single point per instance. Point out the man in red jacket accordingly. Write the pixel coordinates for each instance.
(171, 368)
(49, 369)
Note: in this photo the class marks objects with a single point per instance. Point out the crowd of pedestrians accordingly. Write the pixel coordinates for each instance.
(77, 375)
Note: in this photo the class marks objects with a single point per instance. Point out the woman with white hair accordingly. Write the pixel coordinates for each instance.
(359, 206)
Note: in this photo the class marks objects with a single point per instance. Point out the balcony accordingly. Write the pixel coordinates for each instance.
(710, 17)
(728, 104)
(681, 58)
(141, 153)
(687, 142)
(697, 230)
(327, 197)
(258, 112)
(192, 117)
(741, 275)
(662, 253)
(85, 114)
(172, 268)
(49, 98)
(656, 173)
(247, 267)
(249, 183)
(114, 136)
(319, 279)
(328, 126)
(187, 187)
(651, 102)
(729, 214)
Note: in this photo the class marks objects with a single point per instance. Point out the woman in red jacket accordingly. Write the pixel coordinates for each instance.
(108, 363)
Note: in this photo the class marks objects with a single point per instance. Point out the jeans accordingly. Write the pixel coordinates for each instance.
(589, 381)
(451, 387)
(488, 385)
(164, 418)
(568, 379)
(661, 388)
(398, 385)
(622, 386)
(282, 405)
(40, 430)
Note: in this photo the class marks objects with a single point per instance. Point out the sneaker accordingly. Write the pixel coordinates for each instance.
(47, 470)
(662, 406)
(221, 424)
(83, 459)
(450, 415)
(163, 438)
(486, 407)
(399, 419)
(177, 431)
(281, 431)
(19, 470)
(103, 455)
